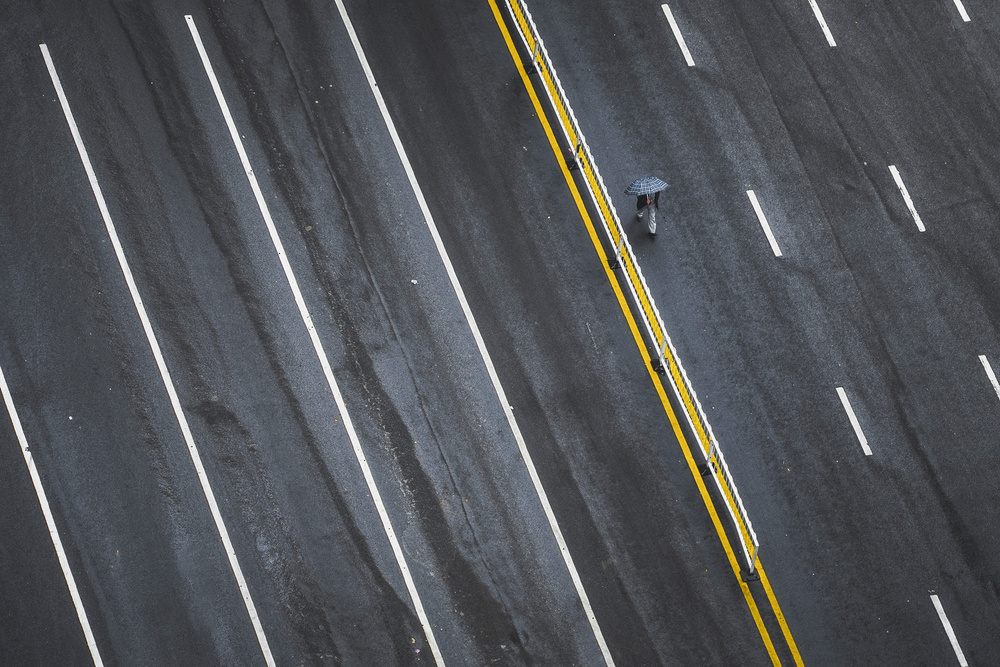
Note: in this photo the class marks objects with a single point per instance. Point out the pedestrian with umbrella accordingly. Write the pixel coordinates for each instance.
(647, 199)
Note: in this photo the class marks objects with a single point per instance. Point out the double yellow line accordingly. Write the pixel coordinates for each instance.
(637, 336)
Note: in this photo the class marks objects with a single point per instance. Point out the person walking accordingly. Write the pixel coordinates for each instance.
(646, 205)
(647, 200)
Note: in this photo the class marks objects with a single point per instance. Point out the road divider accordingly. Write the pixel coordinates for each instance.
(161, 364)
(906, 197)
(50, 522)
(854, 421)
(763, 223)
(663, 359)
(677, 35)
(949, 631)
(667, 360)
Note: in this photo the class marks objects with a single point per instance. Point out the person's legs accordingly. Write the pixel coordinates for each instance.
(651, 220)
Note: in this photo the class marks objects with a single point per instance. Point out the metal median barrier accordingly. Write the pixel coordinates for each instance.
(667, 362)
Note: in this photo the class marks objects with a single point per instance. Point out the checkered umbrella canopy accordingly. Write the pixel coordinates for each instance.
(646, 186)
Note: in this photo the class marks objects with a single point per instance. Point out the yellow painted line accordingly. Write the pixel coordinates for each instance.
(637, 336)
(776, 608)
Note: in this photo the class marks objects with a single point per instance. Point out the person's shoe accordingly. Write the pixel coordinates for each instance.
(652, 235)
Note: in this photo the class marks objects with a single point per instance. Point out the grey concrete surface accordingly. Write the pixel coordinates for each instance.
(141, 542)
(853, 545)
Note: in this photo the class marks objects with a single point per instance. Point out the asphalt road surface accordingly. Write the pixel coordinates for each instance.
(310, 404)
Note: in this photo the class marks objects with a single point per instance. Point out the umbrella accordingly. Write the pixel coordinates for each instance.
(646, 186)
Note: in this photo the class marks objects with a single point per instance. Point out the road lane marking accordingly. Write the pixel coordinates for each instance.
(50, 521)
(324, 361)
(763, 223)
(906, 197)
(854, 421)
(480, 343)
(655, 378)
(949, 631)
(160, 363)
(822, 23)
(961, 11)
(990, 374)
(677, 35)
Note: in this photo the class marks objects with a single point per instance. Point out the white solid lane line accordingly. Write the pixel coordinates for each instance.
(160, 363)
(822, 23)
(961, 11)
(763, 223)
(43, 501)
(480, 343)
(854, 421)
(949, 631)
(324, 361)
(990, 374)
(906, 197)
(678, 36)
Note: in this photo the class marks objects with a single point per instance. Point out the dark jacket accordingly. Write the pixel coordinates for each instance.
(642, 200)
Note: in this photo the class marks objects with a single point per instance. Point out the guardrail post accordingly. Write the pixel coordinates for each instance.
(751, 574)
(534, 60)
(659, 367)
(574, 162)
(618, 253)
(706, 467)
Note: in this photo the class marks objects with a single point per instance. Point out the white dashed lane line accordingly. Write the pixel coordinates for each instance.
(763, 223)
(961, 11)
(822, 23)
(990, 374)
(949, 631)
(677, 35)
(906, 197)
(854, 421)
